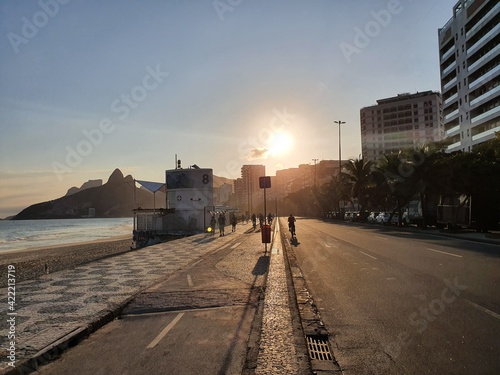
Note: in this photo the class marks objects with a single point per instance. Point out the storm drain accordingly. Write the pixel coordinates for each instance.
(318, 348)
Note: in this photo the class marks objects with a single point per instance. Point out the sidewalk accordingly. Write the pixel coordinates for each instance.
(56, 311)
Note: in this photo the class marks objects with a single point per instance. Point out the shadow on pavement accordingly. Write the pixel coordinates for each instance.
(262, 266)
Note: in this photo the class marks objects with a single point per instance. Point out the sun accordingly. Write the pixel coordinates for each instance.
(280, 144)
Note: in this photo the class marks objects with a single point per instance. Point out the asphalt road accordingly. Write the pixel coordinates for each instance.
(396, 302)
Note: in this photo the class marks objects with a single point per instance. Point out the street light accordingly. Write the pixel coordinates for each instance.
(340, 153)
(315, 160)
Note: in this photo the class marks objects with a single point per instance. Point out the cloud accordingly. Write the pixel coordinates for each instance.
(258, 153)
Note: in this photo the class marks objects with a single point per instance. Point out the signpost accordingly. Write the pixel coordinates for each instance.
(265, 183)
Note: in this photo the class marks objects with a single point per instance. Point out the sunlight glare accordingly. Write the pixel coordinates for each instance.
(280, 144)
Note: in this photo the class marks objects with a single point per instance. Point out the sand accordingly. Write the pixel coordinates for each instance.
(31, 263)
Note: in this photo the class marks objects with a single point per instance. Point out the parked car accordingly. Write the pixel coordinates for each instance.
(383, 218)
(372, 217)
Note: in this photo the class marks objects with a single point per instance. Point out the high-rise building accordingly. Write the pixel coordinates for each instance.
(252, 194)
(403, 121)
(469, 53)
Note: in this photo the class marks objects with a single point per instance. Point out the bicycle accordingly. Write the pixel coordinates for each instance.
(291, 228)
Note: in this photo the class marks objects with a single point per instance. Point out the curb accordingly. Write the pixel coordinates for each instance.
(310, 318)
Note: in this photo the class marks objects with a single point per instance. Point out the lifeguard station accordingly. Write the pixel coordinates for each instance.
(189, 200)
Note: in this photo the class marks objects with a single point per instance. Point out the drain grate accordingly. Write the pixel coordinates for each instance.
(318, 348)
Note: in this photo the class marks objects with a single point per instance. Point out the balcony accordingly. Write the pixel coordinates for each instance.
(486, 95)
(448, 53)
(451, 115)
(494, 31)
(450, 99)
(449, 68)
(450, 132)
(454, 146)
(486, 133)
(484, 115)
(483, 20)
(450, 84)
(490, 54)
(485, 77)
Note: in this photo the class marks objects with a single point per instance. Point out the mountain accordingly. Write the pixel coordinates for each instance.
(115, 198)
(87, 185)
(219, 181)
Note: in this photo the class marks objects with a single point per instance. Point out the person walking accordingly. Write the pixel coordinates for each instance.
(291, 225)
(261, 219)
(222, 224)
(213, 222)
(234, 221)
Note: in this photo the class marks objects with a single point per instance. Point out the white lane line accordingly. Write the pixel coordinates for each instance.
(368, 255)
(484, 309)
(190, 281)
(236, 245)
(390, 278)
(444, 252)
(327, 245)
(382, 238)
(165, 331)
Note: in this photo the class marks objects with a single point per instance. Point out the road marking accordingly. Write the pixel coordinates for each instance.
(484, 309)
(195, 263)
(390, 278)
(165, 331)
(368, 255)
(236, 245)
(444, 252)
(190, 281)
(327, 245)
(382, 238)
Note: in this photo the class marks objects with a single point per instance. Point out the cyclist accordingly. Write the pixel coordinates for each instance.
(291, 224)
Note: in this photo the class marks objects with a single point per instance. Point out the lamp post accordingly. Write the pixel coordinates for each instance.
(340, 153)
(315, 160)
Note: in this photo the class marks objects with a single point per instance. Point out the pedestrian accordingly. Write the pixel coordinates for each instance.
(269, 218)
(212, 224)
(234, 221)
(222, 224)
(291, 225)
(261, 219)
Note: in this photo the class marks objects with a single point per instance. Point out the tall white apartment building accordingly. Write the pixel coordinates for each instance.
(401, 122)
(469, 52)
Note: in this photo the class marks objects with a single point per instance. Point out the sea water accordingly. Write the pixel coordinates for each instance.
(25, 234)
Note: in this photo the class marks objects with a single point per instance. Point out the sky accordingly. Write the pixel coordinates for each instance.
(90, 86)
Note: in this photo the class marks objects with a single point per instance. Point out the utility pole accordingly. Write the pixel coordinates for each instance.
(315, 160)
(340, 153)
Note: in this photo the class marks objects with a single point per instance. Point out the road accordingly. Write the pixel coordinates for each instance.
(397, 302)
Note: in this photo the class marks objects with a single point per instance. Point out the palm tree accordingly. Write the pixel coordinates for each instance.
(359, 176)
(396, 178)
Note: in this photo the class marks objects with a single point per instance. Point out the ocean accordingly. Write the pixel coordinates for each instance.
(26, 234)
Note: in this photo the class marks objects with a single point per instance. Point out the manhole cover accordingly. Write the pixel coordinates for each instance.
(318, 348)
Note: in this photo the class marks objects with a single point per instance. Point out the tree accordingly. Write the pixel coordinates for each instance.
(359, 175)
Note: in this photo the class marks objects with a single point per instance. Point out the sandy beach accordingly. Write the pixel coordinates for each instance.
(31, 263)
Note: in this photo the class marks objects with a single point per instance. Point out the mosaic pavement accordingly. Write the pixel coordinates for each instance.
(54, 305)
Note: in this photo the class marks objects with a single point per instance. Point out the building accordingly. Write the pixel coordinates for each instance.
(404, 121)
(248, 190)
(469, 52)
